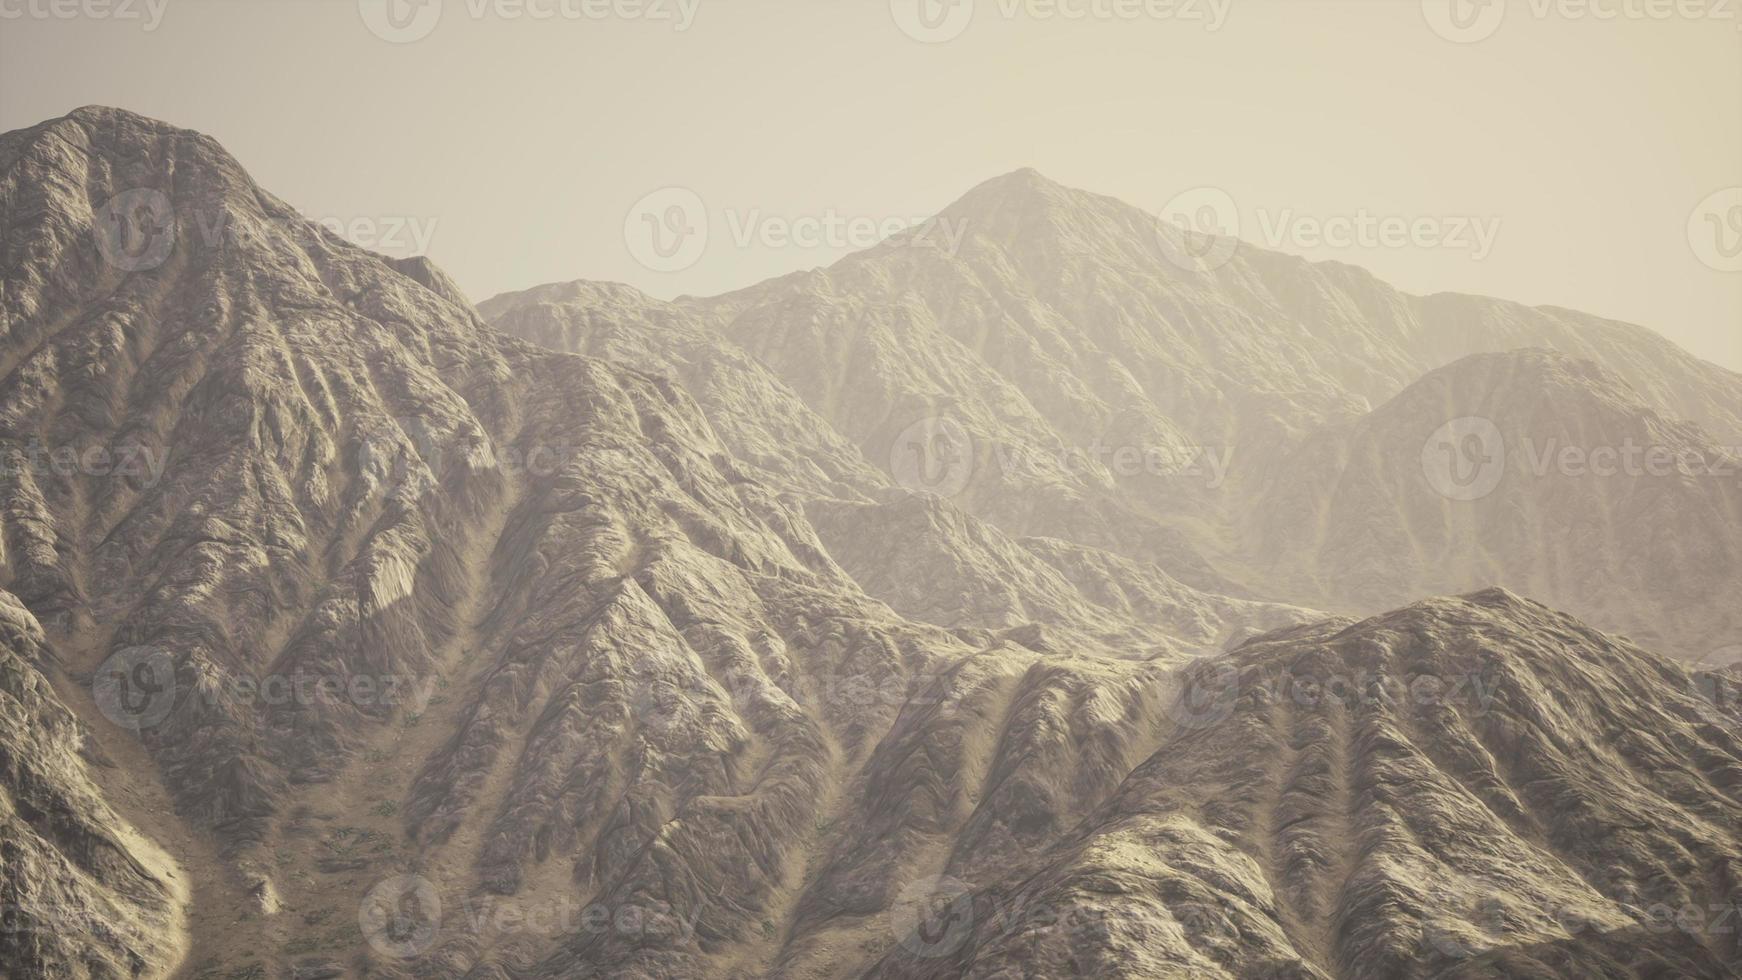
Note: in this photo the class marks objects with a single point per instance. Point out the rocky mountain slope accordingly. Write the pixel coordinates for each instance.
(1469, 787)
(355, 638)
(932, 563)
(83, 894)
(1531, 469)
(1067, 377)
(416, 597)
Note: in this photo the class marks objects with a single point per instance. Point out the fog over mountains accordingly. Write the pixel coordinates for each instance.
(1087, 599)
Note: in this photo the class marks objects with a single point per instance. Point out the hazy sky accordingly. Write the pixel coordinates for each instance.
(1584, 139)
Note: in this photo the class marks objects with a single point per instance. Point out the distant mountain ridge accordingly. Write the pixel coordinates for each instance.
(1576, 492)
(1076, 372)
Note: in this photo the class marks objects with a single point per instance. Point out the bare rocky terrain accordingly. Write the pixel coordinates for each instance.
(1464, 787)
(1086, 386)
(1572, 490)
(353, 631)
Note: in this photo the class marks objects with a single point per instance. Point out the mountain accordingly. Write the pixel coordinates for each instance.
(874, 513)
(935, 564)
(396, 597)
(1532, 469)
(418, 593)
(1062, 375)
(762, 420)
(1465, 787)
(348, 636)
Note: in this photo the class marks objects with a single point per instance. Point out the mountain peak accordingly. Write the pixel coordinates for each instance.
(1021, 190)
(1036, 220)
(1022, 178)
(137, 152)
(108, 113)
(123, 123)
